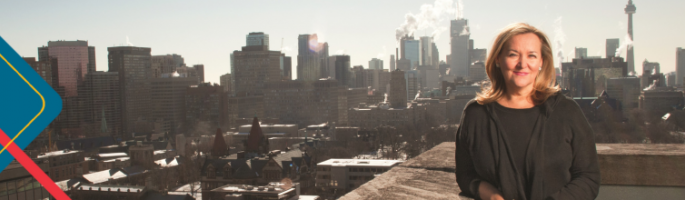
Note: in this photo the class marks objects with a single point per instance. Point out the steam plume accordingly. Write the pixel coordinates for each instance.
(628, 44)
(559, 40)
(127, 42)
(430, 17)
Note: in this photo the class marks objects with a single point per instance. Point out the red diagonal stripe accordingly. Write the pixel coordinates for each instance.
(30, 166)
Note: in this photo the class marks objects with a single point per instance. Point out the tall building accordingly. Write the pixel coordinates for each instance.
(392, 62)
(258, 39)
(101, 95)
(168, 95)
(411, 51)
(459, 42)
(680, 66)
(630, 58)
(426, 51)
(611, 47)
(133, 66)
(164, 64)
(477, 55)
(340, 69)
(203, 104)
(398, 89)
(413, 86)
(200, 68)
(286, 67)
(375, 63)
(225, 82)
(311, 58)
(670, 79)
(73, 62)
(253, 67)
(581, 53)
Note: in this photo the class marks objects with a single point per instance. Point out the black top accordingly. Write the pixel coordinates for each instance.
(518, 125)
(560, 161)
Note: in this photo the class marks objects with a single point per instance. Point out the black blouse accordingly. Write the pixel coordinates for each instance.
(560, 160)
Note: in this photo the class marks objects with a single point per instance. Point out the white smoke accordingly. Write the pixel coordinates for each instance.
(340, 52)
(386, 98)
(286, 49)
(559, 40)
(127, 42)
(382, 54)
(628, 44)
(431, 17)
(465, 31)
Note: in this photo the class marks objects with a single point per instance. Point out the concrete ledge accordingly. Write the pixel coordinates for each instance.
(440, 157)
(642, 164)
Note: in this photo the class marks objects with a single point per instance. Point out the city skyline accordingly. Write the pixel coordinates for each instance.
(206, 33)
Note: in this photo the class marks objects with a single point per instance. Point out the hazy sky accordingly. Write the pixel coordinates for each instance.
(208, 31)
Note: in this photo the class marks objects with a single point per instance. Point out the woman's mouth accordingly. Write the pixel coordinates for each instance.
(521, 73)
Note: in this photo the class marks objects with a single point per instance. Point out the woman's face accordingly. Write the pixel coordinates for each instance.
(520, 61)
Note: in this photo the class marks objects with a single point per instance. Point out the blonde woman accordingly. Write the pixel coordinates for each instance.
(520, 138)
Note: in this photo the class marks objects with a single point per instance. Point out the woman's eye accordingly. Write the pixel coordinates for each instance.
(512, 55)
(532, 56)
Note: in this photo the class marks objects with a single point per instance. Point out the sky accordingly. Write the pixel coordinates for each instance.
(206, 32)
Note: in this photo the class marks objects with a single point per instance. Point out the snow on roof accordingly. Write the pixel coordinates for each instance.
(359, 162)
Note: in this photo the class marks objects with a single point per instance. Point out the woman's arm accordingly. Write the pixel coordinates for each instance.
(467, 178)
(585, 177)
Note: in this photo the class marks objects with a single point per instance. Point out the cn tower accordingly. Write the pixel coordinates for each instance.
(630, 10)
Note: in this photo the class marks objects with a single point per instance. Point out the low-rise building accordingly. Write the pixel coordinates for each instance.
(17, 183)
(65, 164)
(343, 175)
(272, 191)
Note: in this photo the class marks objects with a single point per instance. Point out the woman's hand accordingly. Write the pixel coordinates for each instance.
(489, 192)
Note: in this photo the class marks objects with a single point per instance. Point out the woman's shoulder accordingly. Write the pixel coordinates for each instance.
(474, 110)
(562, 104)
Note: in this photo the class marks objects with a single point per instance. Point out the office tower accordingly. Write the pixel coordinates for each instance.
(477, 55)
(477, 71)
(340, 70)
(392, 63)
(670, 79)
(411, 51)
(168, 100)
(436, 56)
(311, 58)
(133, 65)
(101, 95)
(73, 62)
(413, 86)
(630, 59)
(361, 78)
(303, 102)
(225, 82)
(459, 37)
(680, 66)
(581, 53)
(611, 47)
(376, 63)
(426, 51)
(200, 68)
(286, 67)
(253, 67)
(398, 89)
(164, 64)
(257, 39)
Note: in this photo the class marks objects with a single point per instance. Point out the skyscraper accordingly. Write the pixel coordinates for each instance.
(340, 69)
(101, 95)
(611, 47)
(581, 53)
(253, 67)
(286, 67)
(376, 63)
(398, 89)
(680, 66)
(411, 51)
(133, 65)
(168, 100)
(200, 68)
(225, 82)
(73, 62)
(427, 51)
(630, 59)
(164, 64)
(310, 58)
(459, 38)
(392, 63)
(258, 39)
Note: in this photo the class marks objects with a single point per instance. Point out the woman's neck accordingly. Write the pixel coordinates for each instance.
(518, 99)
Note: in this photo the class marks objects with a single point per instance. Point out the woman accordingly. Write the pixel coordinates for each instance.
(520, 138)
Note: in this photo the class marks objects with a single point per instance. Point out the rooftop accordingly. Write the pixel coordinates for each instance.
(358, 162)
(58, 153)
(117, 188)
(113, 155)
(274, 187)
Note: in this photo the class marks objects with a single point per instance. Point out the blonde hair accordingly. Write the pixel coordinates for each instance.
(545, 83)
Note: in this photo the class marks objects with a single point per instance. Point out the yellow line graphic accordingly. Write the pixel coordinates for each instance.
(34, 118)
